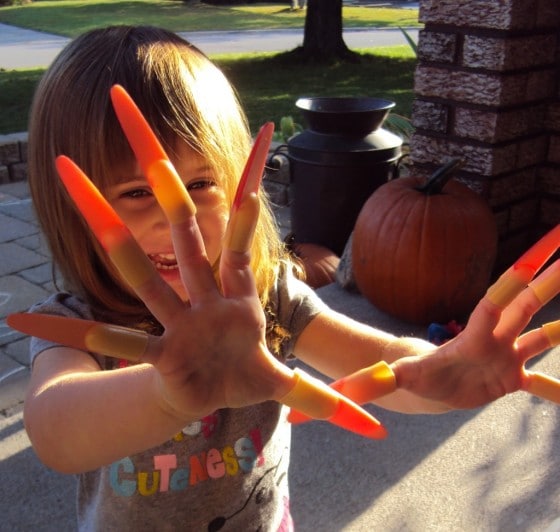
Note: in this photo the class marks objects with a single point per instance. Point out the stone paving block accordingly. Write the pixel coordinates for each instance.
(17, 295)
(19, 189)
(4, 178)
(7, 334)
(13, 228)
(9, 149)
(7, 365)
(13, 386)
(22, 209)
(19, 351)
(40, 275)
(36, 243)
(15, 258)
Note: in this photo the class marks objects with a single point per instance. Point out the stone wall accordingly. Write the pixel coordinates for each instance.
(13, 157)
(487, 90)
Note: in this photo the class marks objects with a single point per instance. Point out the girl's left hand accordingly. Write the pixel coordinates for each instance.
(487, 359)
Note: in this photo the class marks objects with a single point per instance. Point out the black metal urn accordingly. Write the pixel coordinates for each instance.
(336, 164)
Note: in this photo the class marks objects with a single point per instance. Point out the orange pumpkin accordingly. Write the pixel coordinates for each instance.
(423, 250)
(319, 263)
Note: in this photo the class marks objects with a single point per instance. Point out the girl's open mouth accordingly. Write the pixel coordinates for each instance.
(164, 261)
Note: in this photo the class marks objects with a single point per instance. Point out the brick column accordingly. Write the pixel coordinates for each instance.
(487, 90)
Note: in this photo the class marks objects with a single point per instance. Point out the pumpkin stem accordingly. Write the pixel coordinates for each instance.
(435, 183)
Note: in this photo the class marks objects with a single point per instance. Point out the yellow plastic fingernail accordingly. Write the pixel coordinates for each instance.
(108, 228)
(132, 263)
(103, 338)
(361, 387)
(170, 191)
(509, 285)
(542, 386)
(552, 331)
(242, 223)
(312, 396)
(117, 341)
(546, 285)
(368, 383)
(317, 400)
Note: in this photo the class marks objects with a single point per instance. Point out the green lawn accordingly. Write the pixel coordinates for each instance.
(72, 17)
(268, 84)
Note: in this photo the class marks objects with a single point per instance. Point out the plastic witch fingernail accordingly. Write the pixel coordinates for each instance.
(254, 168)
(241, 225)
(546, 285)
(319, 401)
(516, 278)
(158, 169)
(509, 284)
(245, 208)
(361, 387)
(542, 386)
(552, 332)
(110, 340)
(108, 228)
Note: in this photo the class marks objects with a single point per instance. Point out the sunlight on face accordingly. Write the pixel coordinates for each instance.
(134, 201)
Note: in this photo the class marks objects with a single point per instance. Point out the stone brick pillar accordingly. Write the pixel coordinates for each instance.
(487, 90)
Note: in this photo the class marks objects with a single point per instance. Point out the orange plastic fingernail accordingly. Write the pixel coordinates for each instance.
(542, 386)
(108, 228)
(254, 168)
(319, 401)
(361, 387)
(103, 338)
(516, 278)
(540, 252)
(158, 169)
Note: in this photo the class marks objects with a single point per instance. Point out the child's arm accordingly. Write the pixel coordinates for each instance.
(337, 345)
(483, 363)
(79, 418)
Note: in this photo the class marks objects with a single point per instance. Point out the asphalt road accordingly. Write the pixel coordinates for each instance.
(21, 48)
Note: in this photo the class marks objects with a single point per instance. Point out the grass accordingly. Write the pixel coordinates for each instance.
(73, 17)
(268, 84)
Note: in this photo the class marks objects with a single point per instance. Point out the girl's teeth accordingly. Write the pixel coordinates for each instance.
(164, 261)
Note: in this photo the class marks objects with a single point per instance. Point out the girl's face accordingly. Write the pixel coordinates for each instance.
(134, 202)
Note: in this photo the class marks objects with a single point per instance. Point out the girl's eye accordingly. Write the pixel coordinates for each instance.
(200, 184)
(136, 193)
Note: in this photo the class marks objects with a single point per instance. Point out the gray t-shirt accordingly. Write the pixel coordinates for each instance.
(227, 471)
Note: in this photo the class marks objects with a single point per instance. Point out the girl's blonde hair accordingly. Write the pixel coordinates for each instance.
(183, 95)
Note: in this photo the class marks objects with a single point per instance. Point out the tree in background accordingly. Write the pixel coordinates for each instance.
(322, 39)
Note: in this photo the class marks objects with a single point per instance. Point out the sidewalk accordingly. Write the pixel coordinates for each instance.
(24, 279)
(491, 469)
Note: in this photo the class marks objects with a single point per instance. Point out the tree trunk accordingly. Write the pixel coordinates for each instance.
(322, 40)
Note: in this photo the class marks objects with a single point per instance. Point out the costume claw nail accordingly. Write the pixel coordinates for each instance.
(318, 401)
(542, 386)
(158, 169)
(108, 228)
(106, 339)
(361, 387)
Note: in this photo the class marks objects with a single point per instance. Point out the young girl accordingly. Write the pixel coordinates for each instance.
(193, 437)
